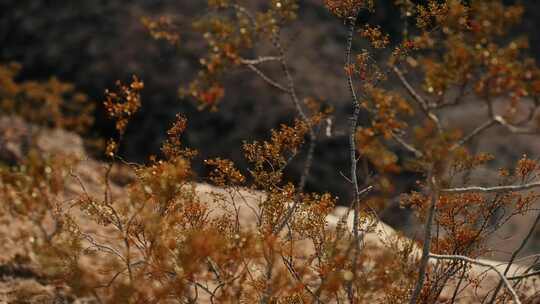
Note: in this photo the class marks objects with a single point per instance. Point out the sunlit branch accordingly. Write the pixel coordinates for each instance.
(494, 189)
(259, 60)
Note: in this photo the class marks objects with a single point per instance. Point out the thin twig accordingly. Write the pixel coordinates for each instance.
(267, 79)
(259, 60)
(476, 262)
(514, 129)
(494, 189)
(486, 125)
(514, 255)
(456, 291)
(265, 299)
(524, 275)
(290, 266)
(455, 101)
(242, 10)
(101, 247)
(294, 98)
(407, 146)
(311, 133)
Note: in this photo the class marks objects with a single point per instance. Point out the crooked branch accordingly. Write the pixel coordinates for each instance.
(267, 79)
(532, 229)
(476, 262)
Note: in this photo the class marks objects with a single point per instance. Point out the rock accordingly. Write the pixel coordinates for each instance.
(17, 137)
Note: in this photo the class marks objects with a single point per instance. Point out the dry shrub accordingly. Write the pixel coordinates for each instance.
(161, 240)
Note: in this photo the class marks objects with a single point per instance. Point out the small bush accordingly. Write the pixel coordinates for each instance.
(262, 238)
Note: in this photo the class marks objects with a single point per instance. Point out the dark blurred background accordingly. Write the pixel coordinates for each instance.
(93, 43)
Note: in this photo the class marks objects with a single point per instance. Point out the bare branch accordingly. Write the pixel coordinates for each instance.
(524, 275)
(514, 255)
(514, 129)
(427, 239)
(407, 146)
(296, 276)
(267, 79)
(259, 60)
(494, 189)
(476, 262)
(497, 119)
(457, 289)
(486, 125)
(442, 104)
(242, 10)
(312, 136)
(294, 98)
(101, 247)
(352, 148)
(419, 99)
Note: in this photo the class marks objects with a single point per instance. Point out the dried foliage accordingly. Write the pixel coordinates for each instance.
(50, 103)
(162, 242)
